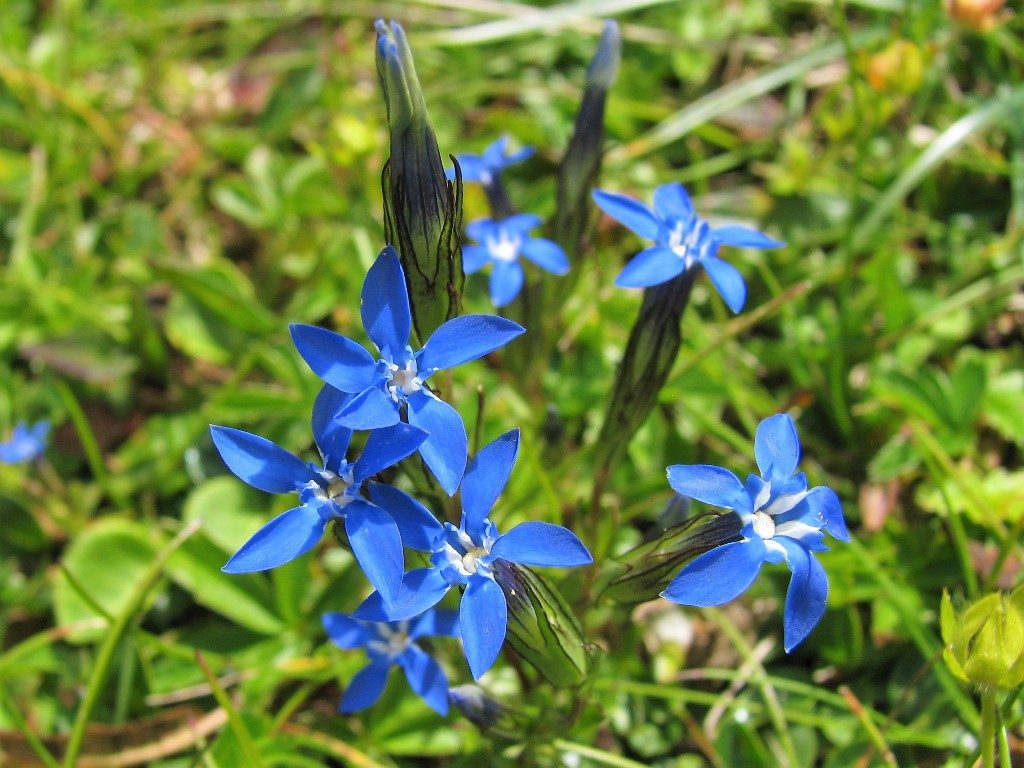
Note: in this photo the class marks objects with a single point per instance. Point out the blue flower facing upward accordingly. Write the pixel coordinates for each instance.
(502, 243)
(391, 644)
(782, 519)
(25, 443)
(392, 388)
(487, 168)
(330, 492)
(682, 240)
(464, 557)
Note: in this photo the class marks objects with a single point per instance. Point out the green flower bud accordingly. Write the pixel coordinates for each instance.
(985, 642)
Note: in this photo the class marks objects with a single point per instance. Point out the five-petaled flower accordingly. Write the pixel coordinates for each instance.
(392, 389)
(328, 493)
(464, 557)
(682, 240)
(782, 519)
(487, 168)
(502, 243)
(389, 644)
(25, 443)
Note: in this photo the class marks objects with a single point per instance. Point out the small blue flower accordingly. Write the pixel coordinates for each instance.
(25, 443)
(487, 168)
(392, 388)
(391, 644)
(682, 240)
(465, 556)
(502, 243)
(330, 492)
(782, 522)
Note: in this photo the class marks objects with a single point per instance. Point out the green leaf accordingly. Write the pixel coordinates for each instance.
(230, 511)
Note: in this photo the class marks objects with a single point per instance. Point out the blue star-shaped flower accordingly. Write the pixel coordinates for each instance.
(389, 644)
(327, 493)
(391, 389)
(465, 556)
(25, 443)
(682, 240)
(502, 243)
(486, 168)
(782, 522)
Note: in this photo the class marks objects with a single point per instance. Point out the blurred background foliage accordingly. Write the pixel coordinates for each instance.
(180, 181)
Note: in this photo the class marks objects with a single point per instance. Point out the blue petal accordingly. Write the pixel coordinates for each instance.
(25, 443)
(710, 484)
(284, 538)
(506, 282)
(337, 360)
(471, 167)
(727, 281)
(537, 543)
(776, 447)
(494, 153)
(419, 528)
(652, 266)
(465, 338)
(520, 223)
(377, 546)
(743, 237)
(386, 447)
(422, 589)
(485, 479)
(385, 303)
(346, 632)
(718, 576)
(474, 258)
(517, 157)
(634, 215)
(546, 254)
(483, 617)
(672, 201)
(259, 462)
(426, 678)
(446, 447)
(366, 687)
(482, 229)
(806, 596)
(435, 622)
(370, 409)
(825, 503)
(331, 438)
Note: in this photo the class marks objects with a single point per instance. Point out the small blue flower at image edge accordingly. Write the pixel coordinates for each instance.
(391, 644)
(501, 243)
(683, 240)
(465, 556)
(26, 443)
(487, 167)
(392, 388)
(330, 492)
(783, 521)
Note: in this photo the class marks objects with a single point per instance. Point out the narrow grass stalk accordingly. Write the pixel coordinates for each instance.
(34, 742)
(248, 747)
(988, 729)
(595, 754)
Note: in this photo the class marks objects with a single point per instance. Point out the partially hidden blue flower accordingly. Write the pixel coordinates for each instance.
(465, 556)
(682, 240)
(330, 492)
(501, 243)
(392, 388)
(25, 443)
(391, 644)
(782, 519)
(487, 167)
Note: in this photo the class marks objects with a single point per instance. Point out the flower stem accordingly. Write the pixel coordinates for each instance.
(988, 729)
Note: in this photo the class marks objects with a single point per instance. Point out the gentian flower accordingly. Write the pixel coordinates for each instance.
(782, 520)
(487, 168)
(502, 243)
(330, 492)
(391, 644)
(25, 443)
(682, 240)
(465, 557)
(392, 388)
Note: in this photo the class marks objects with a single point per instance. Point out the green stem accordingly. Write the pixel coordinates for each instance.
(988, 729)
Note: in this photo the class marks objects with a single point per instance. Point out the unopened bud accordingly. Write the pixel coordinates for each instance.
(985, 642)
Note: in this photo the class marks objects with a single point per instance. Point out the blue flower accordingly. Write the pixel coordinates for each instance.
(682, 240)
(330, 492)
(487, 168)
(25, 443)
(465, 556)
(389, 644)
(392, 388)
(782, 522)
(502, 243)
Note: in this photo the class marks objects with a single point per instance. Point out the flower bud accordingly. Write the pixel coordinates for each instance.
(985, 642)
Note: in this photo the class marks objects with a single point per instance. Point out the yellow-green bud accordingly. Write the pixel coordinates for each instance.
(984, 643)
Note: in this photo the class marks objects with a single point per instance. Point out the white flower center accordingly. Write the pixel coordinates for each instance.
(504, 247)
(763, 525)
(337, 485)
(391, 641)
(404, 380)
(465, 558)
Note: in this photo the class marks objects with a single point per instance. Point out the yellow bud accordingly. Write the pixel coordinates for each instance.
(899, 68)
(979, 15)
(984, 643)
